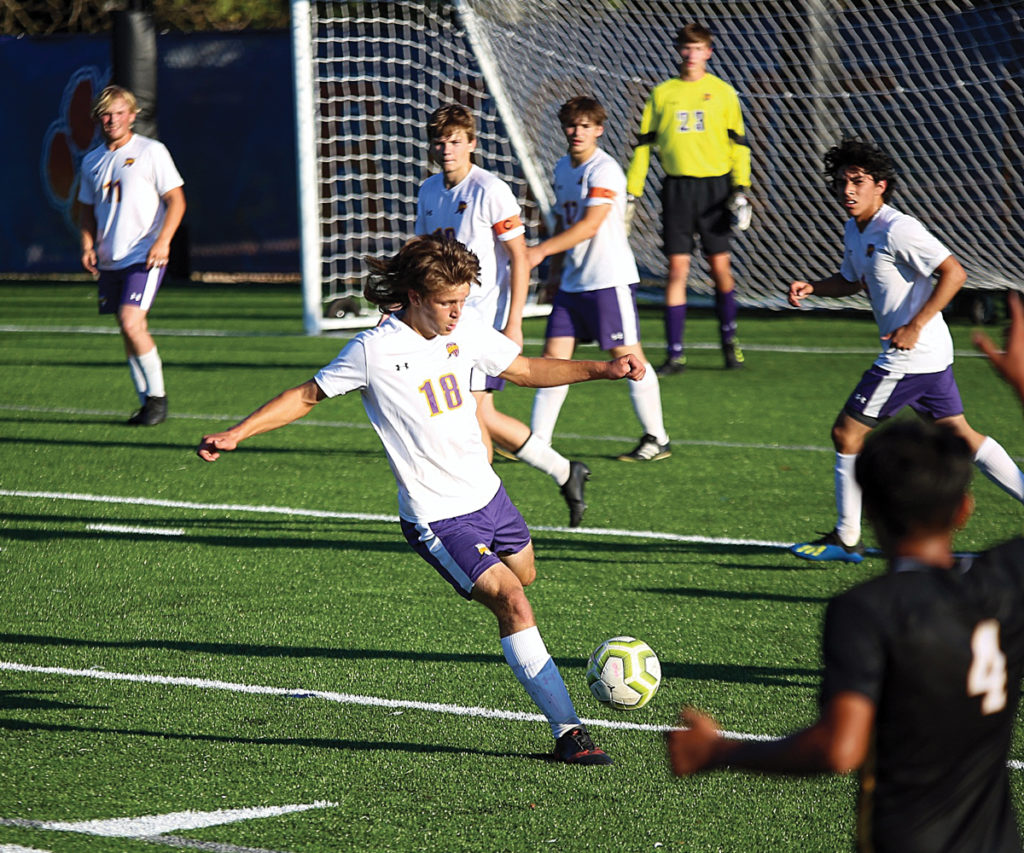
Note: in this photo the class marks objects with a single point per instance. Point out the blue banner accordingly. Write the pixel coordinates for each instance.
(225, 112)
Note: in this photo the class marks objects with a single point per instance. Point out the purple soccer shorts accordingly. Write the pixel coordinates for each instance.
(134, 285)
(608, 316)
(881, 394)
(461, 549)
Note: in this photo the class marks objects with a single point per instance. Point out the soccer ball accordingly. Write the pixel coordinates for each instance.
(623, 672)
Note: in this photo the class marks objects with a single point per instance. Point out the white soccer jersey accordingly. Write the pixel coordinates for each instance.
(606, 259)
(480, 212)
(416, 394)
(894, 257)
(124, 187)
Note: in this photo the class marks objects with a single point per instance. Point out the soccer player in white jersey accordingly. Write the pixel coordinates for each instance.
(413, 373)
(469, 204)
(132, 204)
(596, 299)
(892, 257)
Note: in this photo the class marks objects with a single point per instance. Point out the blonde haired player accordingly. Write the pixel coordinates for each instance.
(132, 204)
(466, 203)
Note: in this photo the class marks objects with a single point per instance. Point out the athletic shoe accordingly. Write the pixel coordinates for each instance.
(576, 747)
(829, 547)
(153, 412)
(648, 450)
(733, 356)
(672, 366)
(572, 491)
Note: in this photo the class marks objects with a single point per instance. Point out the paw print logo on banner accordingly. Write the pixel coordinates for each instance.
(67, 140)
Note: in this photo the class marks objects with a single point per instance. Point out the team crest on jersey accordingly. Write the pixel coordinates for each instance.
(707, 96)
(453, 350)
(871, 250)
(462, 207)
(482, 549)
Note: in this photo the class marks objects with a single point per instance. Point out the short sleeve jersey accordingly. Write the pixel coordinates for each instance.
(482, 213)
(416, 394)
(125, 187)
(697, 126)
(894, 258)
(606, 259)
(940, 653)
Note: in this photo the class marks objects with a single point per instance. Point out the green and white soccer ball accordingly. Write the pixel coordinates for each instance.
(623, 672)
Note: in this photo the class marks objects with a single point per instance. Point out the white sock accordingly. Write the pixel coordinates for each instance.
(995, 463)
(153, 370)
(547, 404)
(528, 656)
(646, 398)
(544, 458)
(138, 378)
(848, 499)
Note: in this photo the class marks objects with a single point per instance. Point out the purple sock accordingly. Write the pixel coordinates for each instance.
(725, 308)
(675, 325)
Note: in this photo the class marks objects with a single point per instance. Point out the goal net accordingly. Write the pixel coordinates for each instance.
(936, 84)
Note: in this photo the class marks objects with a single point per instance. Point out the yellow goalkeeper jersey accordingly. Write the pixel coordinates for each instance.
(697, 127)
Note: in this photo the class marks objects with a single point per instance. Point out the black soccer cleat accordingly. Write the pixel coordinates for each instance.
(648, 450)
(576, 747)
(572, 491)
(733, 356)
(672, 366)
(153, 412)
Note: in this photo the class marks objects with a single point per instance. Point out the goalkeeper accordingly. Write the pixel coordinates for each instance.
(697, 125)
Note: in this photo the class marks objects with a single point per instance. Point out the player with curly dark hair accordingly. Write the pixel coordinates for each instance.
(892, 257)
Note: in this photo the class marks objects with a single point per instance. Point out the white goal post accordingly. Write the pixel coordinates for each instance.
(936, 84)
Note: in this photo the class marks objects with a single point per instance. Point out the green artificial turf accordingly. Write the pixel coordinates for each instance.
(282, 567)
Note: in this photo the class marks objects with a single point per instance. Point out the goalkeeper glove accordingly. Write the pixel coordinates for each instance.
(630, 213)
(741, 209)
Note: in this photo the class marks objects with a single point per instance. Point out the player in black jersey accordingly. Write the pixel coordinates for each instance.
(922, 665)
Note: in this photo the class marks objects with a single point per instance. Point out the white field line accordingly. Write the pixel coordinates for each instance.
(362, 516)
(366, 701)
(313, 422)
(150, 825)
(654, 344)
(128, 528)
(340, 698)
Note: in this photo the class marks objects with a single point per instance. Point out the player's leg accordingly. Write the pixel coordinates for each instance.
(878, 395)
(679, 217)
(990, 457)
(725, 308)
(559, 342)
(138, 290)
(618, 333)
(452, 546)
(675, 315)
(516, 438)
(715, 228)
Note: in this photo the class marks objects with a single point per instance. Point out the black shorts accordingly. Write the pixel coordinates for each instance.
(696, 206)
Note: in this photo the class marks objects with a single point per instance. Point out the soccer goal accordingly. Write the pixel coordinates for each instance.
(937, 84)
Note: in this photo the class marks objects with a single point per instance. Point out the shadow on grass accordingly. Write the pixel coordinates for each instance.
(319, 538)
(730, 673)
(11, 700)
(315, 743)
(736, 595)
